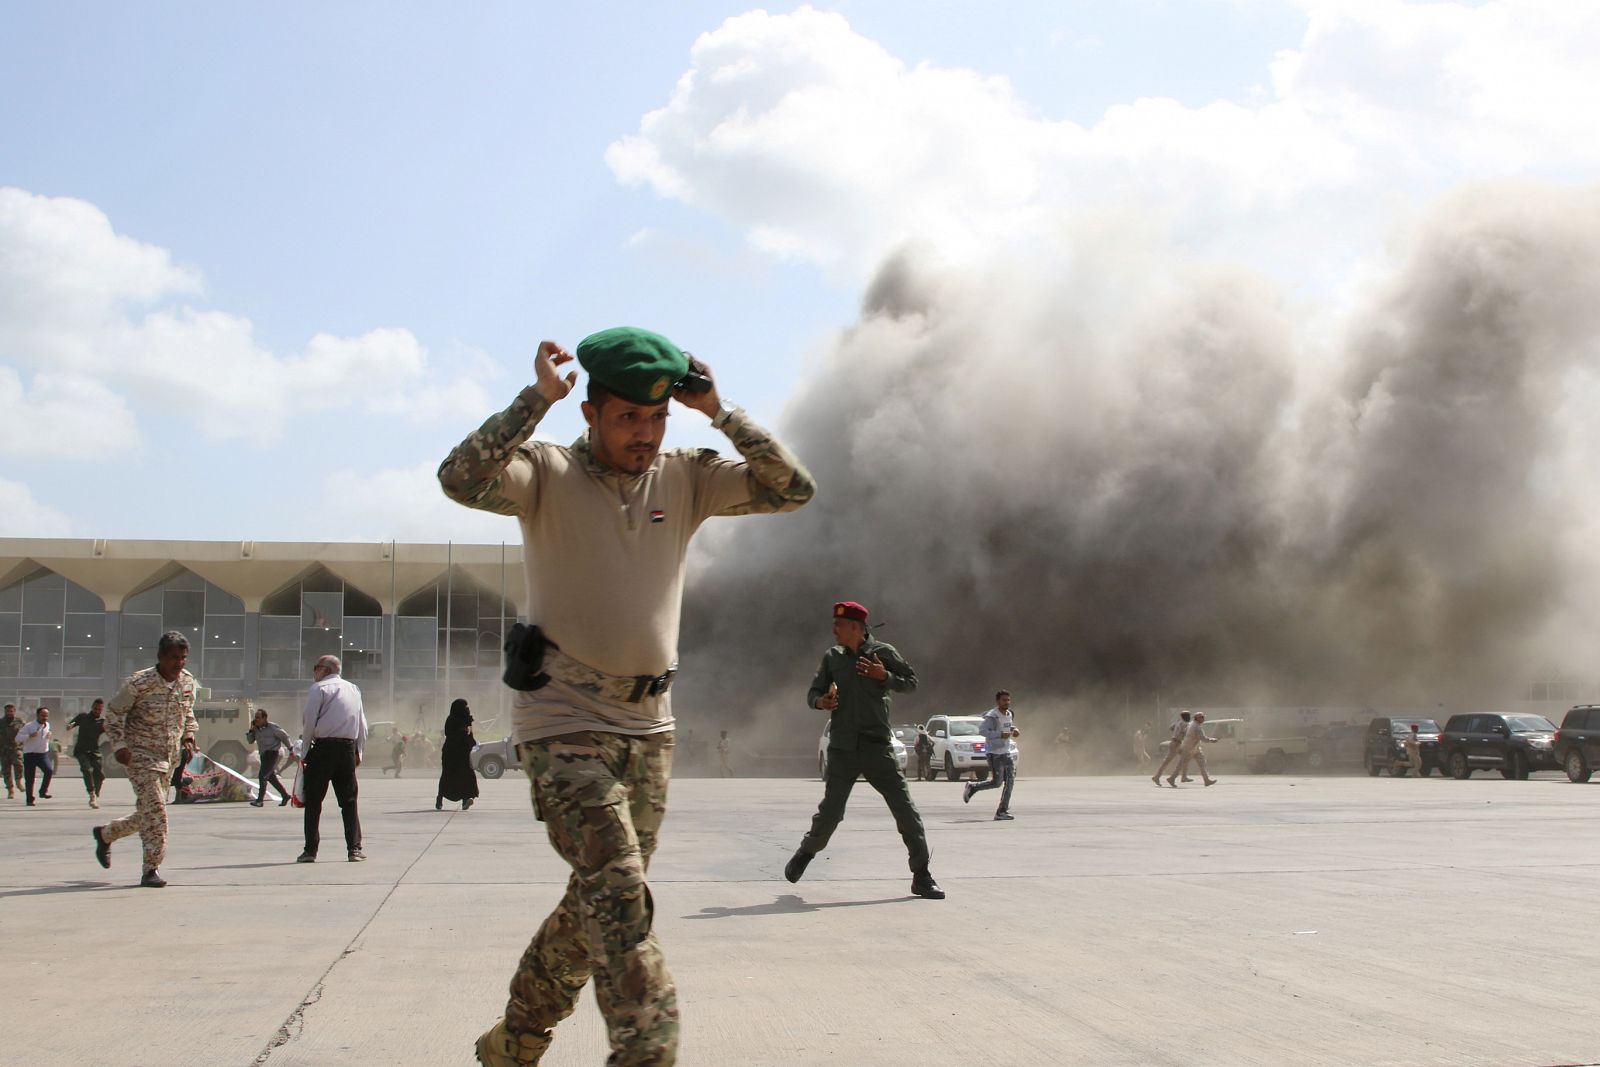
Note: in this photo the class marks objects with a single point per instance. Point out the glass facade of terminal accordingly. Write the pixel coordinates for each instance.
(61, 647)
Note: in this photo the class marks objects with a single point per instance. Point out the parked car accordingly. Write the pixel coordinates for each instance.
(1577, 743)
(1512, 744)
(958, 747)
(1270, 755)
(1386, 746)
(491, 758)
(900, 751)
(1335, 747)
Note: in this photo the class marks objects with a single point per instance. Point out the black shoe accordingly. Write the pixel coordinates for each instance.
(30, 802)
(44, 796)
(284, 802)
(256, 803)
(152, 880)
(306, 857)
(923, 885)
(1003, 816)
(102, 847)
(465, 804)
(796, 865)
(355, 855)
(438, 803)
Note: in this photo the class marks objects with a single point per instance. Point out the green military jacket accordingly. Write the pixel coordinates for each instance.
(863, 712)
(8, 733)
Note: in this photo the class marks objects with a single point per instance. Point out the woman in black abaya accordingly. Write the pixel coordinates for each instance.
(457, 779)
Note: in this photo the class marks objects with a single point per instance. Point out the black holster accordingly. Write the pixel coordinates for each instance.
(525, 645)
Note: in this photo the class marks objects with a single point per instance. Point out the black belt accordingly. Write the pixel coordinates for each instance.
(333, 740)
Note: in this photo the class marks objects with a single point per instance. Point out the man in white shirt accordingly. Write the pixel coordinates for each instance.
(1192, 749)
(998, 728)
(335, 734)
(1180, 729)
(34, 737)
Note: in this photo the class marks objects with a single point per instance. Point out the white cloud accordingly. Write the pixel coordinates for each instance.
(21, 515)
(103, 321)
(62, 416)
(819, 144)
(406, 504)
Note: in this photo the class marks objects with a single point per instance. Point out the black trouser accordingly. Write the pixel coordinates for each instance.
(269, 773)
(1002, 773)
(924, 762)
(877, 764)
(331, 762)
(30, 760)
(94, 776)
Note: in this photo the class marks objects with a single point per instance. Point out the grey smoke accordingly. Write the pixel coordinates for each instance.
(1111, 473)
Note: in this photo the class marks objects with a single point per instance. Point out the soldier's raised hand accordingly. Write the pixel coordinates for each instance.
(548, 380)
(872, 667)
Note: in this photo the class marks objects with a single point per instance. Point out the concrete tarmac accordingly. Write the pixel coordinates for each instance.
(1268, 920)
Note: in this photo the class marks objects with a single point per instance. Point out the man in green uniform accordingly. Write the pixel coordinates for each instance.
(854, 683)
(10, 751)
(89, 725)
(605, 524)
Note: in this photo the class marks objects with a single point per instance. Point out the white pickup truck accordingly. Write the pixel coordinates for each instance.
(1269, 755)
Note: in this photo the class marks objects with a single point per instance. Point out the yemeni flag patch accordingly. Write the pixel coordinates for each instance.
(658, 516)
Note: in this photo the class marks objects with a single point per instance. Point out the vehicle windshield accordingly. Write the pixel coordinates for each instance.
(962, 729)
(1530, 724)
(1424, 726)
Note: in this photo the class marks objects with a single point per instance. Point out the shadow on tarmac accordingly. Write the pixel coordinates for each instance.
(789, 904)
(69, 887)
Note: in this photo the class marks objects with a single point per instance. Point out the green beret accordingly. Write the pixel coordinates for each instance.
(635, 364)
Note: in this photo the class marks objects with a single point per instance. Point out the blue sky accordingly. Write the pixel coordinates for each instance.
(441, 172)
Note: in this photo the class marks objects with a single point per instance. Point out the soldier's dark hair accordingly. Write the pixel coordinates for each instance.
(1184, 715)
(170, 640)
(1002, 693)
(98, 701)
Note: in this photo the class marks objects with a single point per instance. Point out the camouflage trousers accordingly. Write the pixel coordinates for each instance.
(149, 818)
(601, 797)
(11, 761)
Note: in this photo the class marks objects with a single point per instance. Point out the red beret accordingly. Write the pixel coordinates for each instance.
(849, 609)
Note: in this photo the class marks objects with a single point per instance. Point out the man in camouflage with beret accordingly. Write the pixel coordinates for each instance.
(854, 684)
(606, 522)
(148, 721)
(10, 750)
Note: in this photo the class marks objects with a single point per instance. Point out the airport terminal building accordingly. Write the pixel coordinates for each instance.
(415, 624)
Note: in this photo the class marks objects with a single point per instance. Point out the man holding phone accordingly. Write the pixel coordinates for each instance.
(606, 523)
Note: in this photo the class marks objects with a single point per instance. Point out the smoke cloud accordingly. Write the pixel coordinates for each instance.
(1117, 473)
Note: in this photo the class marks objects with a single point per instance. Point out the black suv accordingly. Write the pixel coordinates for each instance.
(1511, 744)
(1577, 743)
(1386, 746)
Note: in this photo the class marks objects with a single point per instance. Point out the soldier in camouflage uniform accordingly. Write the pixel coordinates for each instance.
(10, 751)
(606, 523)
(148, 721)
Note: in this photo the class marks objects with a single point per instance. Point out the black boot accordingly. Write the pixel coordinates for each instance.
(102, 847)
(796, 865)
(152, 880)
(923, 885)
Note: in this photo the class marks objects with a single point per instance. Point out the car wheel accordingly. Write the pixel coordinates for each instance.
(1424, 771)
(1577, 768)
(1519, 766)
(980, 776)
(1459, 767)
(950, 772)
(491, 767)
(1372, 767)
(1275, 762)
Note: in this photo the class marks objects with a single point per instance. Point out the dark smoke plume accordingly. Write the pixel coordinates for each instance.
(1121, 474)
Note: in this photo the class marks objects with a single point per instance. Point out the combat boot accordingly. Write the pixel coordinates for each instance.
(102, 847)
(499, 1047)
(923, 885)
(152, 880)
(796, 865)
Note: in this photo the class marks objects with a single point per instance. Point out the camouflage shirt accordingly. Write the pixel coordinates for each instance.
(8, 733)
(606, 548)
(151, 717)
